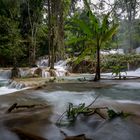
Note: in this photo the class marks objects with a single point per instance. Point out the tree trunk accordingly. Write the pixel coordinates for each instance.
(97, 74)
(56, 30)
(49, 33)
(52, 51)
(61, 30)
(53, 22)
(32, 52)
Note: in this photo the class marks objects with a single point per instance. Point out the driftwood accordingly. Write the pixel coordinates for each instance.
(23, 135)
(16, 106)
(77, 137)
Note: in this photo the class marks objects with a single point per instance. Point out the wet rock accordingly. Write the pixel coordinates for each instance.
(38, 72)
(52, 72)
(117, 129)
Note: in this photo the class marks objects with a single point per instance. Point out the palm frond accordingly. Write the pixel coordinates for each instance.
(84, 27)
(109, 33)
(74, 40)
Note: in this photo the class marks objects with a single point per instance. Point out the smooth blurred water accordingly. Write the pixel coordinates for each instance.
(3, 82)
(6, 88)
(124, 91)
(59, 95)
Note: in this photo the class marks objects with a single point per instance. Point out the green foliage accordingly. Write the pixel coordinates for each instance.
(110, 61)
(73, 111)
(117, 71)
(10, 39)
(84, 55)
(113, 114)
(97, 32)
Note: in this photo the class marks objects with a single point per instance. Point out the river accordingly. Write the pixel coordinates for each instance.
(119, 96)
(123, 95)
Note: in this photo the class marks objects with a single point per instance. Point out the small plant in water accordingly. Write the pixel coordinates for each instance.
(116, 71)
(73, 111)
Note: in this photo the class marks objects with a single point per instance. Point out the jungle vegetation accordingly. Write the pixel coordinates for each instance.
(66, 28)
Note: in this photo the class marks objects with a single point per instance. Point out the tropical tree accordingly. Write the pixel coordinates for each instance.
(10, 38)
(57, 12)
(31, 19)
(127, 12)
(97, 32)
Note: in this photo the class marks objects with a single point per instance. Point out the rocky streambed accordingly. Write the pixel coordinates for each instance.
(41, 108)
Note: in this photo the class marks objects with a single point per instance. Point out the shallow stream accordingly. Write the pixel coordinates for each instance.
(121, 96)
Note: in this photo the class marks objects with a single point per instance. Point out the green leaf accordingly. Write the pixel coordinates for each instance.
(105, 37)
(84, 27)
(74, 40)
(105, 23)
(87, 52)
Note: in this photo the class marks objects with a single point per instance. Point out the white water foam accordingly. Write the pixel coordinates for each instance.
(9, 86)
(6, 90)
(128, 101)
(129, 74)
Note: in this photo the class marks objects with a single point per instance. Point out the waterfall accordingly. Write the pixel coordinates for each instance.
(9, 86)
(14, 84)
(5, 74)
(59, 71)
(27, 72)
(45, 73)
(43, 62)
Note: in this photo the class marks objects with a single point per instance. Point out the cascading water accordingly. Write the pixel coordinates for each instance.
(7, 85)
(60, 68)
(43, 62)
(5, 74)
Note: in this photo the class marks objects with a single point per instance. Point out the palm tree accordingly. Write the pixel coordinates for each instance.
(96, 32)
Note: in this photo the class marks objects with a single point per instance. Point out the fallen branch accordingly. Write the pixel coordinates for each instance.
(11, 108)
(16, 106)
